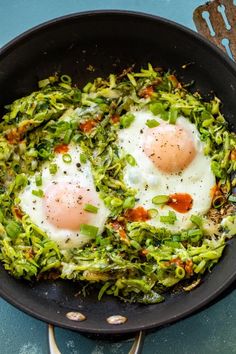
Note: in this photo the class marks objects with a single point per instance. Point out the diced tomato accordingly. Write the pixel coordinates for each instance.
(61, 149)
(87, 126)
(137, 214)
(181, 202)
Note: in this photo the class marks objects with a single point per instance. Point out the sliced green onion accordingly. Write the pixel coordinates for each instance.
(66, 79)
(176, 238)
(129, 203)
(21, 181)
(67, 136)
(195, 235)
(126, 120)
(173, 115)
(160, 199)
(169, 219)
(135, 244)
(232, 198)
(53, 168)
(38, 193)
(43, 83)
(83, 158)
(38, 180)
(156, 108)
(115, 202)
(152, 213)
(132, 79)
(13, 229)
(180, 272)
(197, 220)
(152, 123)
(66, 158)
(130, 159)
(1, 217)
(88, 230)
(218, 201)
(91, 208)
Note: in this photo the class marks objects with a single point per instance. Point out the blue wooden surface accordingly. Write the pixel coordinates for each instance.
(208, 332)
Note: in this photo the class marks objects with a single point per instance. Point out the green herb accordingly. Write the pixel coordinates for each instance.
(152, 123)
(126, 120)
(91, 208)
(89, 230)
(160, 199)
(13, 229)
(232, 198)
(38, 180)
(169, 219)
(130, 159)
(53, 168)
(83, 158)
(66, 158)
(38, 193)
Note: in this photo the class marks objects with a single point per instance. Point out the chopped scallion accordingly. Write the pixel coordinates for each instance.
(83, 158)
(160, 199)
(129, 203)
(53, 169)
(152, 123)
(13, 229)
(130, 159)
(169, 219)
(38, 193)
(38, 180)
(126, 120)
(88, 230)
(91, 208)
(232, 198)
(66, 158)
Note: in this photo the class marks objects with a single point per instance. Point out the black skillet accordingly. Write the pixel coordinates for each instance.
(111, 41)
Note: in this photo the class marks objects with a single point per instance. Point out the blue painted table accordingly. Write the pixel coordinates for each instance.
(208, 332)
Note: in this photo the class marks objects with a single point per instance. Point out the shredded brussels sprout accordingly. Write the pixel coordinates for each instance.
(131, 259)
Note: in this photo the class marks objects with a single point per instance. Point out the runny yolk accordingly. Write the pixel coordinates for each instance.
(64, 205)
(181, 202)
(170, 147)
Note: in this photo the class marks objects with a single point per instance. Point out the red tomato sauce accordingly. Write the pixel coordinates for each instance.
(181, 202)
(87, 126)
(137, 214)
(62, 149)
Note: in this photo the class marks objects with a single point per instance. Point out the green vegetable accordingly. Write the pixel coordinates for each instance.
(126, 120)
(13, 229)
(152, 123)
(53, 168)
(38, 193)
(160, 199)
(66, 158)
(169, 219)
(130, 159)
(88, 230)
(91, 208)
(83, 158)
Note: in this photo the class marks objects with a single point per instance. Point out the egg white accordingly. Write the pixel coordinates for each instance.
(197, 179)
(67, 173)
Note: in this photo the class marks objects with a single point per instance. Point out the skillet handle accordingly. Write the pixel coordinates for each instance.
(135, 349)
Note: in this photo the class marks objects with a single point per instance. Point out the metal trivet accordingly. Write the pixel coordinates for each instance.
(216, 21)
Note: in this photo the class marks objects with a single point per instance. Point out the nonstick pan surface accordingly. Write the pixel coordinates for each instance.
(111, 41)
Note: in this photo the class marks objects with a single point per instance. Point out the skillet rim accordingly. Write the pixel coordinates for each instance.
(21, 38)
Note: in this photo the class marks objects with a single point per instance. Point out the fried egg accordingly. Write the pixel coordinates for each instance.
(60, 211)
(170, 161)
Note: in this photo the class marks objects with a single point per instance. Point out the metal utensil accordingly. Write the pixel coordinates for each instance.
(216, 21)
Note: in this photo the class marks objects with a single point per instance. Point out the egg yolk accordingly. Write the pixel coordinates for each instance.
(170, 147)
(64, 205)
